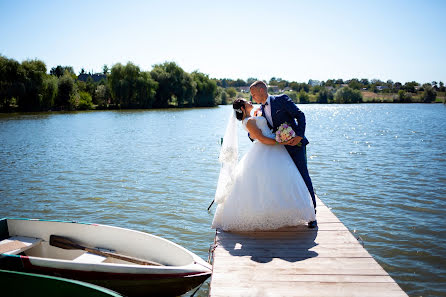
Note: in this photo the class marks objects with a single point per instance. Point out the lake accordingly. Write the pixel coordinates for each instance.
(381, 168)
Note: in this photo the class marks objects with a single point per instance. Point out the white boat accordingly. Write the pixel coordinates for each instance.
(103, 255)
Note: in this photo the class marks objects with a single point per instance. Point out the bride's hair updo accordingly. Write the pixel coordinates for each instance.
(237, 106)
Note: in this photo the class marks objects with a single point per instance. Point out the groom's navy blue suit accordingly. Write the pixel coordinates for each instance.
(284, 110)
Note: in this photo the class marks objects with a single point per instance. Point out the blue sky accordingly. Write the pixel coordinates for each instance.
(293, 40)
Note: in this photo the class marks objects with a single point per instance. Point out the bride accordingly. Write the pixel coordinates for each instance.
(263, 191)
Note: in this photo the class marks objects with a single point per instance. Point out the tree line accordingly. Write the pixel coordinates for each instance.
(27, 86)
(348, 91)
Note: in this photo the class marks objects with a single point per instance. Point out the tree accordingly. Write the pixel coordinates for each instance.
(102, 95)
(348, 95)
(324, 96)
(410, 86)
(404, 97)
(206, 90)
(49, 92)
(66, 90)
(130, 87)
(303, 97)
(231, 92)
(429, 94)
(105, 69)
(35, 73)
(365, 82)
(442, 88)
(174, 85)
(83, 101)
(60, 70)
(12, 87)
(251, 80)
(355, 84)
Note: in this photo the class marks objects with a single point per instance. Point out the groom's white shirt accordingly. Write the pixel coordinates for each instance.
(267, 110)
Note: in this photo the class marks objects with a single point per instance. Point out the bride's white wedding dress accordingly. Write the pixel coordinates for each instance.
(267, 191)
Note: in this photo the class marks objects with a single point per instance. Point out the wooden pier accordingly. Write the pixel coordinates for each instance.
(297, 261)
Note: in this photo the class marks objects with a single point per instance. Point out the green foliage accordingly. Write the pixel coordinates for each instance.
(224, 98)
(35, 73)
(303, 97)
(49, 92)
(12, 77)
(206, 90)
(130, 87)
(66, 91)
(299, 86)
(231, 92)
(324, 96)
(429, 94)
(348, 95)
(293, 96)
(355, 84)
(84, 101)
(410, 86)
(60, 70)
(102, 95)
(404, 96)
(175, 86)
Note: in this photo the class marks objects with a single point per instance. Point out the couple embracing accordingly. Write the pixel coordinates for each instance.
(270, 187)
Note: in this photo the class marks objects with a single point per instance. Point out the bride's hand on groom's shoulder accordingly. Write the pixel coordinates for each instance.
(293, 141)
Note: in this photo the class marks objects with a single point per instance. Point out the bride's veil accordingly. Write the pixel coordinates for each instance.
(228, 158)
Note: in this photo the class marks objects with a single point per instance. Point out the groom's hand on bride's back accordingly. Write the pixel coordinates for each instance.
(293, 141)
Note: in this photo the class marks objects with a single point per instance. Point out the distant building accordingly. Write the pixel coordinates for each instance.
(244, 89)
(286, 89)
(273, 89)
(380, 88)
(96, 77)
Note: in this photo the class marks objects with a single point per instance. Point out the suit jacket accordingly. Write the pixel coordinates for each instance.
(284, 110)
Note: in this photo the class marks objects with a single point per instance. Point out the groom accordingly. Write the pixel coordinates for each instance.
(278, 110)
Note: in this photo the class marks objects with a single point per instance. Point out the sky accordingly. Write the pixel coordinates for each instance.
(293, 40)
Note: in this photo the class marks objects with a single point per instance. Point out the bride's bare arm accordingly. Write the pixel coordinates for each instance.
(256, 133)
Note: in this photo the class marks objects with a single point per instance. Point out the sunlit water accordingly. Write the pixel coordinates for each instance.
(381, 168)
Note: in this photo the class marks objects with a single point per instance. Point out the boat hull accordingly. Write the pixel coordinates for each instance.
(14, 283)
(128, 279)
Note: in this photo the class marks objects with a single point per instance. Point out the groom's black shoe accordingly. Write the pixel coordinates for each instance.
(312, 224)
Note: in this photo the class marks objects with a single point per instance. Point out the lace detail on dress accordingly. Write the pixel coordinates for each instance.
(262, 125)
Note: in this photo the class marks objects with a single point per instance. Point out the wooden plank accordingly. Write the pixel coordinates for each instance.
(312, 289)
(254, 278)
(297, 261)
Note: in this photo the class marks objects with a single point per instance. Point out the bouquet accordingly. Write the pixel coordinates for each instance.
(284, 133)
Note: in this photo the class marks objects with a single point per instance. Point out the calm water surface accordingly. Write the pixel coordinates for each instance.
(381, 168)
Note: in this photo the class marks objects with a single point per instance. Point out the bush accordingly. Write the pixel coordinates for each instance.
(224, 98)
(293, 96)
(81, 101)
(429, 95)
(303, 97)
(348, 95)
(324, 96)
(231, 92)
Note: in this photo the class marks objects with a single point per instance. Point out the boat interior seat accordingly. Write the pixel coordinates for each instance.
(16, 244)
(89, 258)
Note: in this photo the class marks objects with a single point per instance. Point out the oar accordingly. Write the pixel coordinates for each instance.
(68, 244)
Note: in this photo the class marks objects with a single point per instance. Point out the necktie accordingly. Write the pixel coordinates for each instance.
(263, 105)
